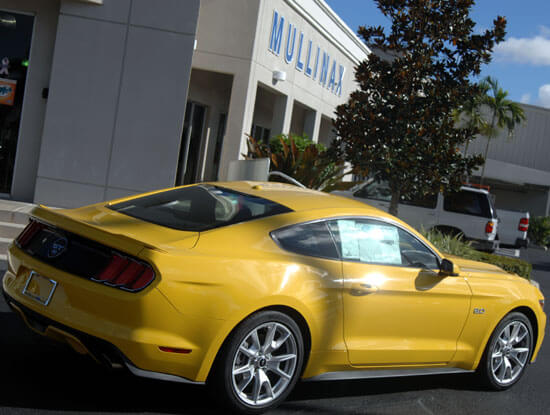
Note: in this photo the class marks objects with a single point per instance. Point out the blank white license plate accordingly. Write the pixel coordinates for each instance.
(39, 288)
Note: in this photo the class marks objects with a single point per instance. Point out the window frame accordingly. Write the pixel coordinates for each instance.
(492, 211)
(338, 250)
(115, 207)
(273, 236)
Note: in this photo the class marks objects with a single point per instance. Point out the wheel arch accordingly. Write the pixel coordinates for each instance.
(532, 317)
(284, 309)
(528, 312)
(448, 230)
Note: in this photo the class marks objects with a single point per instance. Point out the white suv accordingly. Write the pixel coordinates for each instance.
(469, 212)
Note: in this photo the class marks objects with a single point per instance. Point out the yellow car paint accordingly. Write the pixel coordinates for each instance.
(209, 282)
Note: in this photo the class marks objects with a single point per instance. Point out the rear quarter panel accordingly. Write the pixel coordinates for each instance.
(237, 270)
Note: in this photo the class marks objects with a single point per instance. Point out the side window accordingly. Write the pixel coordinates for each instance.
(375, 242)
(311, 239)
(414, 253)
(428, 202)
(468, 203)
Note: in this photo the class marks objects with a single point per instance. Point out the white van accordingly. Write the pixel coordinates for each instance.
(469, 212)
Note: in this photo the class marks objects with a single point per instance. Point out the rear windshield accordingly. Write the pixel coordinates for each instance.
(469, 203)
(199, 208)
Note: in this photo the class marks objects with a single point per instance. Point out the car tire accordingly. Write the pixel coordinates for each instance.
(507, 353)
(253, 374)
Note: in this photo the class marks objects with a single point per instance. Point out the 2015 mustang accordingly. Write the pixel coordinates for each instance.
(252, 286)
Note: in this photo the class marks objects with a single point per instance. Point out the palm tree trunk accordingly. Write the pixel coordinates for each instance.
(487, 148)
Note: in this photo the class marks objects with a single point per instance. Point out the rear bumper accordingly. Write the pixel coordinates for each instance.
(99, 350)
(109, 324)
(485, 245)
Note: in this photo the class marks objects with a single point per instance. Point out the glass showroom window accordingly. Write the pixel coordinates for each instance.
(15, 44)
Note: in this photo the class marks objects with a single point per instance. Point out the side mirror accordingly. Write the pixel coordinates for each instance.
(448, 269)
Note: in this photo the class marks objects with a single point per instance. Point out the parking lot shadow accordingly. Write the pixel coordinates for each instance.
(41, 375)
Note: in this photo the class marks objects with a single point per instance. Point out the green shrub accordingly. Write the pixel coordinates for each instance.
(513, 265)
(300, 141)
(301, 159)
(455, 245)
(539, 230)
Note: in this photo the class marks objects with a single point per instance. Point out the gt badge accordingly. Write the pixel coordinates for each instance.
(479, 311)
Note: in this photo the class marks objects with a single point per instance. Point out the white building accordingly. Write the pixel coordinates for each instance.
(518, 168)
(125, 96)
(105, 98)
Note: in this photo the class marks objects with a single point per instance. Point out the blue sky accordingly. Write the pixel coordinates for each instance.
(521, 63)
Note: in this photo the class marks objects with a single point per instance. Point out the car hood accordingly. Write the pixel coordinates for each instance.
(480, 269)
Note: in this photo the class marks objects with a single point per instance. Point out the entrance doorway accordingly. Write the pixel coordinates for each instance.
(190, 153)
(16, 31)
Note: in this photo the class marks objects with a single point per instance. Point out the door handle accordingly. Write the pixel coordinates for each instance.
(362, 289)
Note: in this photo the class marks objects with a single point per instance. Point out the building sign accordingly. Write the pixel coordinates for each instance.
(7, 91)
(306, 56)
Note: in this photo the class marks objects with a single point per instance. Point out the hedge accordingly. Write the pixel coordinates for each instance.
(454, 245)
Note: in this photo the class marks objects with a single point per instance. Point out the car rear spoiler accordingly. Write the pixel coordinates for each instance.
(56, 217)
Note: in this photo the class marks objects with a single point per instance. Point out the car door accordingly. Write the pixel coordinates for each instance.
(398, 311)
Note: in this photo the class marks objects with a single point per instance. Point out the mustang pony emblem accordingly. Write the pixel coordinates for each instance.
(57, 247)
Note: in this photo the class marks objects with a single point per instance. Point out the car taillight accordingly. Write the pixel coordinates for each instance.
(126, 273)
(29, 233)
(523, 224)
(489, 227)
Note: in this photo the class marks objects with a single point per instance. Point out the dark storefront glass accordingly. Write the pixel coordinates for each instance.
(189, 160)
(15, 44)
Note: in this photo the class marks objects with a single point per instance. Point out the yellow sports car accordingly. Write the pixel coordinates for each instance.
(251, 286)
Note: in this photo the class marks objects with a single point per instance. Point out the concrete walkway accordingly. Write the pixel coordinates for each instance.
(14, 216)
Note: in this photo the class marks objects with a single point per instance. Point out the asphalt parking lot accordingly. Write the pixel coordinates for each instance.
(39, 377)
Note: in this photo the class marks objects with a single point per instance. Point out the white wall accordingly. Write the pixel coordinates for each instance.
(117, 99)
(318, 24)
(234, 37)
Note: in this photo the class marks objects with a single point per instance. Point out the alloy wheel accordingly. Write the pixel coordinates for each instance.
(264, 364)
(510, 352)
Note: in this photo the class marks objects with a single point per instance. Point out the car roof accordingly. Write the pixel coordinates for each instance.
(294, 197)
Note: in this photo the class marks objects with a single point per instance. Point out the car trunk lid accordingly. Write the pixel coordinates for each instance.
(113, 229)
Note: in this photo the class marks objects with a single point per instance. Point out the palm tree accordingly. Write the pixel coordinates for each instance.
(470, 116)
(504, 113)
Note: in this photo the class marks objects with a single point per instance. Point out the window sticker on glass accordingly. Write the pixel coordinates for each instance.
(369, 242)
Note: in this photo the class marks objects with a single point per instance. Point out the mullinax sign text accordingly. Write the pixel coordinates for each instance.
(309, 58)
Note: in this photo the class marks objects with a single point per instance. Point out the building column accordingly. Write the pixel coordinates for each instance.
(282, 115)
(239, 121)
(312, 124)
